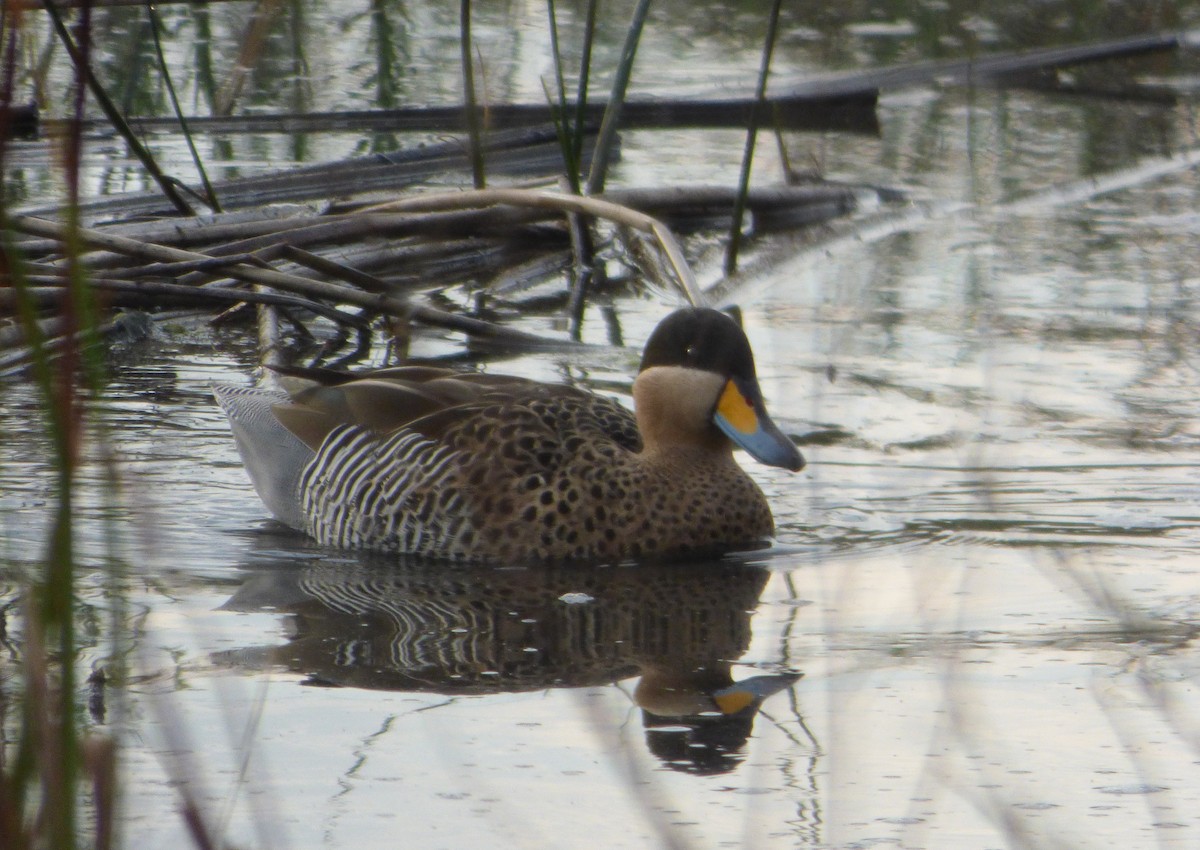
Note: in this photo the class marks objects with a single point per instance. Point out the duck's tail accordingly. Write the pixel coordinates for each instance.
(272, 455)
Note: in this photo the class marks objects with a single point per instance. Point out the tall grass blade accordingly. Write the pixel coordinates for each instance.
(739, 206)
(558, 111)
(156, 31)
(474, 131)
(80, 60)
(49, 751)
(49, 762)
(10, 28)
(606, 141)
(581, 89)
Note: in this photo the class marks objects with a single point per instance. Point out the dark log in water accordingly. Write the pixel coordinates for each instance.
(998, 69)
(835, 102)
(851, 113)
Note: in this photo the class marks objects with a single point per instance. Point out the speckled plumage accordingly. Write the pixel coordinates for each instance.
(486, 468)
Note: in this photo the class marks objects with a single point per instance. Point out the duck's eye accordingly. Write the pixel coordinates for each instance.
(690, 352)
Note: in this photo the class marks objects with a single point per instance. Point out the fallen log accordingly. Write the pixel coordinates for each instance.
(996, 69)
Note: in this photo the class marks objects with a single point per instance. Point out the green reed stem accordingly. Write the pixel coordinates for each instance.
(474, 131)
(739, 206)
(606, 141)
(50, 751)
(63, 384)
(202, 52)
(156, 29)
(559, 112)
(581, 89)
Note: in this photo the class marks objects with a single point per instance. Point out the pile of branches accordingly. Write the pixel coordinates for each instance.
(375, 253)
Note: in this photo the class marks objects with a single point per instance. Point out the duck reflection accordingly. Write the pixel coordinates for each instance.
(376, 624)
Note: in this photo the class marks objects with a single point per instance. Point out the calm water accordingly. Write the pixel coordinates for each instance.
(987, 575)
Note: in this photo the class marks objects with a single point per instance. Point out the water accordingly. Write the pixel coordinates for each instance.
(987, 577)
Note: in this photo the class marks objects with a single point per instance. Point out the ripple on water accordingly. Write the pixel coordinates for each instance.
(1132, 788)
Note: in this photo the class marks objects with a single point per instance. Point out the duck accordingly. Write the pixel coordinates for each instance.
(487, 468)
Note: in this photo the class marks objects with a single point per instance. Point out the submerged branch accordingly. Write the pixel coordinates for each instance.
(527, 152)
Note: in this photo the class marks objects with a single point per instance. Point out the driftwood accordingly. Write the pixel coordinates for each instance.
(849, 113)
(342, 255)
(348, 257)
(596, 207)
(285, 282)
(997, 69)
(395, 227)
(535, 150)
(524, 153)
(324, 266)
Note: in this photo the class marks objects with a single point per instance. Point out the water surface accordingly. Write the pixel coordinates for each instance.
(986, 574)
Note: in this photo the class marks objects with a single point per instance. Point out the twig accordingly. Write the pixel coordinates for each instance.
(594, 207)
(326, 266)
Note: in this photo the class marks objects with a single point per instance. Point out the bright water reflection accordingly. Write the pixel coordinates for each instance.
(986, 574)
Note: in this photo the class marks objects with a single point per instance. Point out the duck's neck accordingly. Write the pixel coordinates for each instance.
(674, 407)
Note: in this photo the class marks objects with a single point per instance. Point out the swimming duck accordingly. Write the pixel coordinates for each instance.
(477, 467)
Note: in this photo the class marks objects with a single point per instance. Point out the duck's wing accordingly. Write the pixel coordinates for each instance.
(382, 401)
(500, 416)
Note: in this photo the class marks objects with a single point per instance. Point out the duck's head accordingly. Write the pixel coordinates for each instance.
(697, 386)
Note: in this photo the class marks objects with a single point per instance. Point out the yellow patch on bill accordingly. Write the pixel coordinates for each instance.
(736, 410)
(731, 702)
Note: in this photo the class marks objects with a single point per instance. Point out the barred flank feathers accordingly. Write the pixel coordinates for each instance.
(361, 491)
